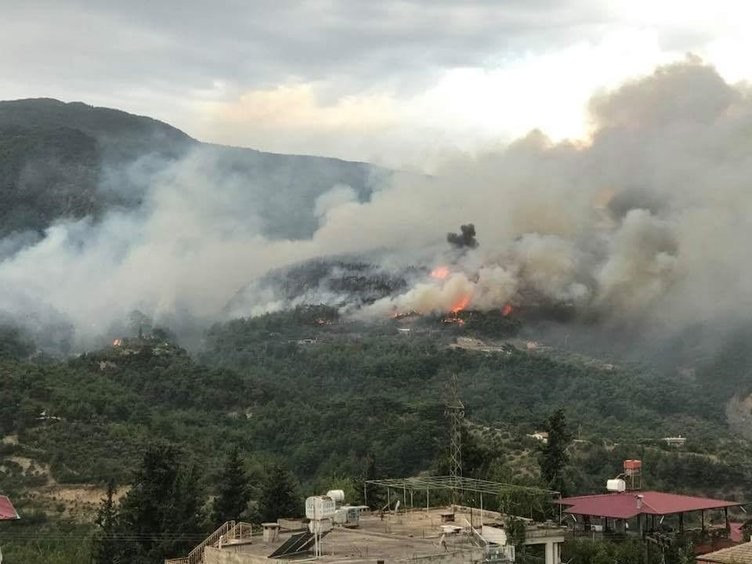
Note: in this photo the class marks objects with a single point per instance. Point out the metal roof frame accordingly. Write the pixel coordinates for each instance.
(458, 483)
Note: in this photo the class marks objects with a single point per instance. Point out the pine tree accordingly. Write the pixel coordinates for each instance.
(233, 492)
(162, 514)
(105, 548)
(280, 495)
(554, 458)
(187, 524)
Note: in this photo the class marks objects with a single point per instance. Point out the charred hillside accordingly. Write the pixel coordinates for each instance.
(337, 281)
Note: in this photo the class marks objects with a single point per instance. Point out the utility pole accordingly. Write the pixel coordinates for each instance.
(455, 412)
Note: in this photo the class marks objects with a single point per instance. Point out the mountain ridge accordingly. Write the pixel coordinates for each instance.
(68, 160)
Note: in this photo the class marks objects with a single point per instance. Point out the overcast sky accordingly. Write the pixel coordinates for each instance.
(399, 82)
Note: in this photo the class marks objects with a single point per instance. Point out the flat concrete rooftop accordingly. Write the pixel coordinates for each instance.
(391, 537)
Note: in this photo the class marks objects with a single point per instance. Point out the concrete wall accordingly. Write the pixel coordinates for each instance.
(228, 556)
(496, 535)
(216, 556)
(452, 557)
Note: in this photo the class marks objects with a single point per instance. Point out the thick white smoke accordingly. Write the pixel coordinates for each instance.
(651, 216)
(647, 220)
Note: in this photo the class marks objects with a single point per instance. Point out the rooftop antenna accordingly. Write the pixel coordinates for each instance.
(454, 409)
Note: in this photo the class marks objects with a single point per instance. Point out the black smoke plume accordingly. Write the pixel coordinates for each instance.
(465, 239)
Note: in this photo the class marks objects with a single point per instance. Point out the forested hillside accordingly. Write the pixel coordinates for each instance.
(337, 401)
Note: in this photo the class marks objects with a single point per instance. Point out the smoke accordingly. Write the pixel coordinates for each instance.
(465, 239)
(647, 221)
(642, 262)
(644, 223)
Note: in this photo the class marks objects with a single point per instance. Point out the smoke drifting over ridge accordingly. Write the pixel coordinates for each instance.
(649, 220)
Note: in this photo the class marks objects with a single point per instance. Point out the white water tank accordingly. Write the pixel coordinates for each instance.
(347, 516)
(319, 507)
(337, 495)
(320, 526)
(617, 485)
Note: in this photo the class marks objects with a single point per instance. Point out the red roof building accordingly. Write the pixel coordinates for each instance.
(627, 505)
(7, 511)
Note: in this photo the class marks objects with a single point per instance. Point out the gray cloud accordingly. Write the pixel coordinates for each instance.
(88, 48)
(184, 61)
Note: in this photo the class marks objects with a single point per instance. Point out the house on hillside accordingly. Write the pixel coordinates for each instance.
(7, 513)
(541, 436)
(676, 442)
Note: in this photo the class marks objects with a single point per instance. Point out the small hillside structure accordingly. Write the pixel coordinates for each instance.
(676, 442)
(7, 511)
(541, 436)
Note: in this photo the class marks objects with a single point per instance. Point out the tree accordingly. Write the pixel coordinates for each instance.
(162, 514)
(589, 551)
(525, 502)
(13, 344)
(375, 496)
(280, 495)
(187, 525)
(104, 550)
(516, 531)
(233, 491)
(553, 457)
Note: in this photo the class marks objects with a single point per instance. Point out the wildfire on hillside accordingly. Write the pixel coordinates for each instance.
(461, 303)
(453, 319)
(460, 283)
(440, 272)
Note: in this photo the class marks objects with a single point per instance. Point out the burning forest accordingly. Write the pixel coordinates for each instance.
(638, 224)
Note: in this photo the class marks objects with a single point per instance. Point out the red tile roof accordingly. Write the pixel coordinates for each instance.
(625, 505)
(7, 511)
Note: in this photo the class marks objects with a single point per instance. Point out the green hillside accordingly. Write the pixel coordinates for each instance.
(336, 401)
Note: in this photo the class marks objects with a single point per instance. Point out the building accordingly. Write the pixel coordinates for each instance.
(740, 554)
(541, 436)
(676, 442)
(406, 528)
(390, 537)
(658, 517)
(615, 510)
(7, 513)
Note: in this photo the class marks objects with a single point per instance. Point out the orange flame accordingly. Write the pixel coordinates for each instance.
(461, 304)
(507, 309)
(440, 272)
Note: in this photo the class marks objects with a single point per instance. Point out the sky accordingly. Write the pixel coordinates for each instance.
(403, 83)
